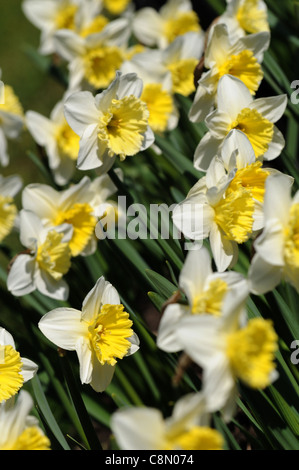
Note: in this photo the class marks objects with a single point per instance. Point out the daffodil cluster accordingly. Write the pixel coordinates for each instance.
(131, 78)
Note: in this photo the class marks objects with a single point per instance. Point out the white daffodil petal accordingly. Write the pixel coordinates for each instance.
(237, 143)
(167, 339)
(20, 276)
(232, 96)
(205, 152)
(29, 369)
(200, 338)
(93, 300)
(196, 269)
(270, 244)
(84, 354)
(271, 108)
(81, 111)
(40, 199)
(262, 276)
(131, 428)
(218, 382)
(63, 327)
(224, 251)
(50, 287)
(277, 200)
(276, 145)
(101, 376)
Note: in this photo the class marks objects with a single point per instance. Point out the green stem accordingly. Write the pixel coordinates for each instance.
(90, 434)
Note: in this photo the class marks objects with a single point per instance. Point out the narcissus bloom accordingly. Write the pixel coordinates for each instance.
(226, 205)
(14, 369)
(11, 119)
(114, 122)
(101, 334)
(51, 15)
(160, 28)
(77, 206)
(245, 17)
(188, 428)
(45, 261)
(93, 60)
(229, 351)
(206, 292)
(18, 429)
(237, 109)
(174, 64)
(277, 248)
(9, 187)
(157, 92)
(58, 139)
(241, 58)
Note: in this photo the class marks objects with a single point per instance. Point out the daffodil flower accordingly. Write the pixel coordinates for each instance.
(45, 261)
(94, 59)
(223, 55)
(77, 206)
(11, 120)
(206, 292)
(52, 15)
(276, 249)
(58, 139)
(237, 109)
(227, 202)
(9, 187)
(14, 369)
(18, 429)
(188, 428)
(157, 92)
(230, 350)
(160, 28)
(101, 334)
(173, 65)
(114, 122)
(244, 17)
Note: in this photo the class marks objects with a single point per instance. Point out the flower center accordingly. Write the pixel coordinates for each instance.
(251, 18)
(11, 379)
(258, 129)
(251, 352)
(65, 18)
(11, 102)
(252, 177)
(8, 212)
(210, 300)
(159, 104)
(109, 334)
(68, 141)
(30, 439)
(101, 65)
(123, 125)
(234, 215)
(245, 67)
(196, 438)
(116, 7)
(53, 256)
(182, 23)
(83, 222)
(182, 73)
